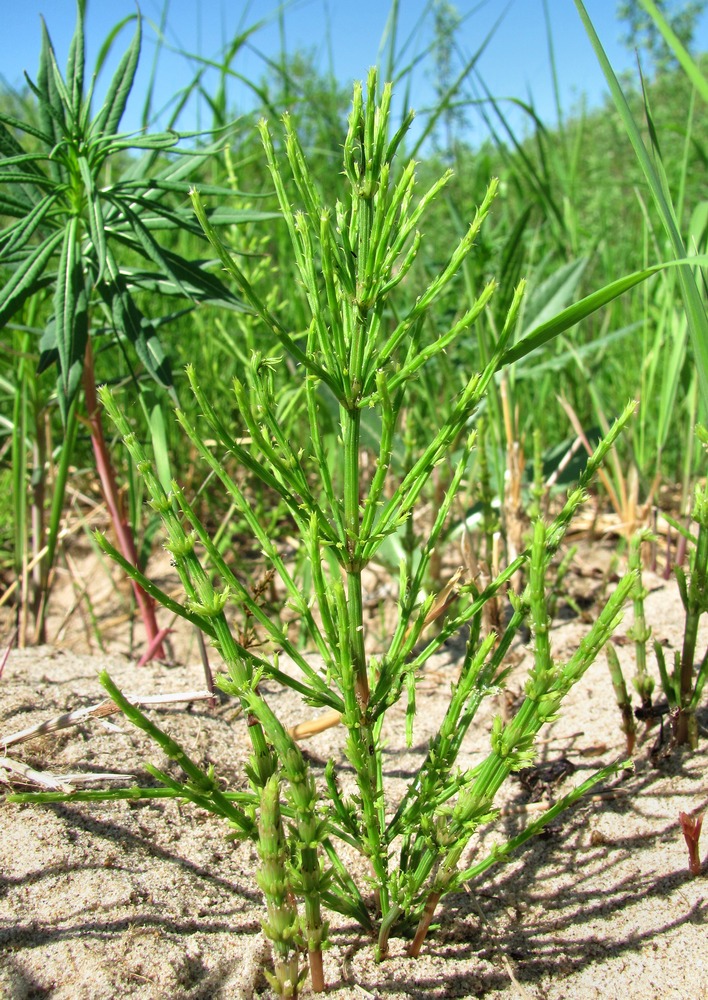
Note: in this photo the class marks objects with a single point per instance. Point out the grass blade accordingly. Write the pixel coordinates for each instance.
(585, 307)
(695, 309)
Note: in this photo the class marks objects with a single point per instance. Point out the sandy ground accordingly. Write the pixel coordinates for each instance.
(150, 900)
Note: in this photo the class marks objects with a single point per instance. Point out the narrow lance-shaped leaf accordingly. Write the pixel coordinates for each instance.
(20, 234)
(95, 216)
(77, 60)
(13, 153)
(23, 126)
(69, 116)
(690, 68)
(25, 278)
(585, 307)
(147, 245)
(49, 106)
(65, 298)
(108, 118)
(129, 320)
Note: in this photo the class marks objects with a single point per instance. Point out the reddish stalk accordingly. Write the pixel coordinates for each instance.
(316, 971)
(691, 827)
(424, 924)
(8, 650)
(111, 495)
(152, 647)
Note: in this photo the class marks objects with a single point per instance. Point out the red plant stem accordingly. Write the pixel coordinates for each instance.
(150, 651)
(8, 650)
(424, 924)
(111, 495)
(691, 827)
(316, 971)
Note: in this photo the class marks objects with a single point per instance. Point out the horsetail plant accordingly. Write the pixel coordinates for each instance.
(362, 349)
(624, 702)
(640, 632)
(683, 686)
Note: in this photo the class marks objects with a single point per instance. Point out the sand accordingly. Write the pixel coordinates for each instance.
(151, 900)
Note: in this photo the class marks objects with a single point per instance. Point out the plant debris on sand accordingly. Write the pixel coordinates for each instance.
(151, 900)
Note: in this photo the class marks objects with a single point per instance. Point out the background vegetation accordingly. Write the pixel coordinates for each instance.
(574, 212)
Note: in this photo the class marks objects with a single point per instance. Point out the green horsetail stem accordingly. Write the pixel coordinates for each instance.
(450, 830)
(695, 600)
(206, 602)
(281, 925)
(624, 702)
(640, 633)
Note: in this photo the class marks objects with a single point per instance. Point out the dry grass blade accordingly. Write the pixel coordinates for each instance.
(99, 711)
(59, 782)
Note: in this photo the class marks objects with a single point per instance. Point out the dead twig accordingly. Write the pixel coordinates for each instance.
(59, 782)
(99, 711)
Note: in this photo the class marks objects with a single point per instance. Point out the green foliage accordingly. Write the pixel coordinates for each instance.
(363, 350)
(682, 686)
(644, 35)
(77, 224)
(691, 316)
(80, 248)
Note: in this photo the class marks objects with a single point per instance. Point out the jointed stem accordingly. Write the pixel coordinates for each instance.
(352, 428)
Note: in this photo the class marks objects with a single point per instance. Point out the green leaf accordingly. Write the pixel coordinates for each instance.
(21, 232)
(160, 140)
(160, 446)
(95, 215)
(553, 294)
(12, 153)
(585, 307)
(155, 215)
(25, 126)
(192, 276)
(70, 316)
(77, 61)
(129, 321)
(25, 279)
(107, 44)
(48, 353)
(205, 287)
(107, 120)
(691, 70)
(18, 177)
(9, 146)
(65, 295)
(13, 206)
(146, 245)
(51, 111)
(11, 161)
(63, 95)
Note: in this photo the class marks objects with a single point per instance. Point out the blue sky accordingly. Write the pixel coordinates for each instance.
(515, 63)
